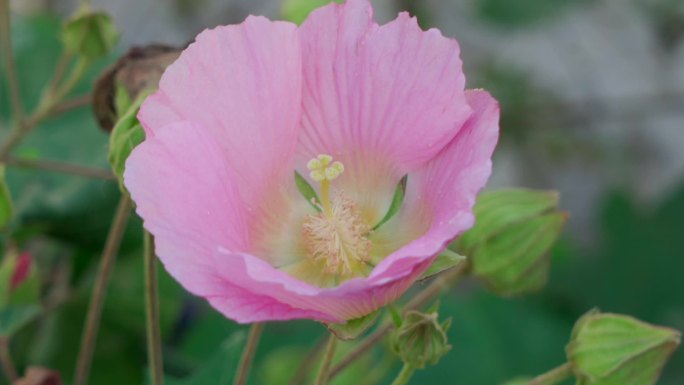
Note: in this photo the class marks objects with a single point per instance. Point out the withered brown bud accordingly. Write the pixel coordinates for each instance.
(140, 68)
(36, 375)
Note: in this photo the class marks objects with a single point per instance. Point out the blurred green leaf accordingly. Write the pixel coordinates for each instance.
(296, 11)
(521, 13)
(14, 317)
(353, 329)
(220, 368)
(6, 207)
(90, 34)
(614, 349)
(518, 381)
(445, 261)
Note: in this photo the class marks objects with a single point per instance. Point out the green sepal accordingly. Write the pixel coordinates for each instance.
(445, 261)
(21, 305)
(14, 317)
(352, 329)
(397, 200)
(90, 34)
(614, 349)
(126, 135)
(307, 191)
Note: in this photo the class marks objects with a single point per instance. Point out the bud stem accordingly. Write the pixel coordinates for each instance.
(248, 353)
(6, 360)
(405, 375)
(553, 376)
(154, 348)
(324, 372)
(92, 322)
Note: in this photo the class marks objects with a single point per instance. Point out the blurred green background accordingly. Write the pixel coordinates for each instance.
(592, 95)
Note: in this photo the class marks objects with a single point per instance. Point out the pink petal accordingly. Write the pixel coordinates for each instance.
(242, 83)
(445, 190)
(188, 200)
(392, 92)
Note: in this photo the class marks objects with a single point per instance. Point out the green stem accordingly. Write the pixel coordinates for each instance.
(405, 375)
(553, 376)
(51, 98)
(154, 348)
(92, 323)
(60, 167)
(248, 354)
(324, 372)
(6, 360)
(440, 283)
(10, 67)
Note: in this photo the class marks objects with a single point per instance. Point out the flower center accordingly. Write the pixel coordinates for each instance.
(337, 236)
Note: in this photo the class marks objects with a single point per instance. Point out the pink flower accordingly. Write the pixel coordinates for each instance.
(350, 105)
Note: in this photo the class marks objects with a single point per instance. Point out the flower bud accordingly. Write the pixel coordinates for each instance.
(421, 339)
(21, 270)
(616, 349)
(514, 229)
(36, 375)
(139, 69)
(89, 34)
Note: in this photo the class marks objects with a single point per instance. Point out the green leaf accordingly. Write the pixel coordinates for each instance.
(13, 317)
(354, 328)
(445, 261)
(296, 11)
(90, 34)
(126, 135)
(6, 207)
(397, 200)
(220, 368)
(306, 190)
(614, 349)
(518, 381)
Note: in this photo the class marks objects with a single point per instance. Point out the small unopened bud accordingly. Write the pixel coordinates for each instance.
(616, 349)
(514, 230)
(421, 339)
(21, 270)
(89, 34)
(36, 375)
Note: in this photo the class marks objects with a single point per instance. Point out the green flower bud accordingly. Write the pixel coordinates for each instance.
(421, 339)
(89, 34)
(513, 232)
(613, 349)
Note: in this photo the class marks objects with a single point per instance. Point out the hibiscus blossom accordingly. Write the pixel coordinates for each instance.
(313, 171)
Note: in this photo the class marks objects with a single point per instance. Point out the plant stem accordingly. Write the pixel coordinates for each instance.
(324, 372)
(440, 283)
(51, 97)
(404, 375)
(6, 360)
(154, 348)
(60, 167)
(553, 376)
(248, 353)
(71, 104)
(10, 67)
(92, 322)
(302, 372)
